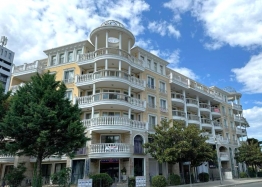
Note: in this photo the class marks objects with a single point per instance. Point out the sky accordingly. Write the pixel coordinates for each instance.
(217, 43)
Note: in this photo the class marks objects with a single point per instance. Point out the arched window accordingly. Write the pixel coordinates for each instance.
(138, 144)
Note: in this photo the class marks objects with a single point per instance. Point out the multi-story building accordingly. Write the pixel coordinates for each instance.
(123, 92)
(6, 62)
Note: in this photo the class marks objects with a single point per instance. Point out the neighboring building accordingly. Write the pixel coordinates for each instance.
(6, 61)
(123, 92)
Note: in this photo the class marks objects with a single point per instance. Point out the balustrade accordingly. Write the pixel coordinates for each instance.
(110, 148)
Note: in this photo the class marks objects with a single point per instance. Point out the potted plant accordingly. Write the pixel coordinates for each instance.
(123, 171)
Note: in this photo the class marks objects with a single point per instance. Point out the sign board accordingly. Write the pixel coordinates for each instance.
(186, 163)
(84, 182)
(140, 181)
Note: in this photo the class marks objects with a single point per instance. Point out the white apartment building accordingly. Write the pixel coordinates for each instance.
(6, 62)
(123, 91)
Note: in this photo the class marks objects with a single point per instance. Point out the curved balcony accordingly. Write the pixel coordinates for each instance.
(110, 53)
(192, 103)
(204, 107)
(218, 126)
(205, 122)
(193, 119)
(113, 123)
(178, 115)
(108, 100)
(7, 158)
(106, 77)
(241, 132)
(237, 107)
(109, 150)
(215, 112)
(178, 99)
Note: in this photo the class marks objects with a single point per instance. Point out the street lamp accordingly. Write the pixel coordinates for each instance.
(219, 163)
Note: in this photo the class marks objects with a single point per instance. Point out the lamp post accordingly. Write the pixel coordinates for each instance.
(219, 163)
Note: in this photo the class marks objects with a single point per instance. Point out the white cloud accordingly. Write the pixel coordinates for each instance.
(258, 102)
(178, 7)
(163, 28)
(250, 75)
(234, 22)
(33, 26)
(254, 118)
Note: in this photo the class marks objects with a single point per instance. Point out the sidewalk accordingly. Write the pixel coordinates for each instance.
(216, 183)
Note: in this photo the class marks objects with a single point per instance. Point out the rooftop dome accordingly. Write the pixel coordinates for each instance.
(112, 23)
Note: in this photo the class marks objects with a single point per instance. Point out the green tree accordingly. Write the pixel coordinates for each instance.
(42, 122)
(250, 153)
(173, 142)
(4, 104)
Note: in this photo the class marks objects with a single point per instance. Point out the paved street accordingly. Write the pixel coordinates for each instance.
(256, 182)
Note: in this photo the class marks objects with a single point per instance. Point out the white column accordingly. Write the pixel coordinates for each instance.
(119, 67)
(65, 57)
(198, 111)
(74, 54)
(129, 70)
(49, 60)
(185, 109)
(95, 67)
(106, 41)
(94, 89)
(57, 58)
(129, 113)
(129, 46)
(13, 68)
(106, 66)
(83, 49)
(92, 113)
(145, 174)
(129, 91)
(120, 42)
(96, 43)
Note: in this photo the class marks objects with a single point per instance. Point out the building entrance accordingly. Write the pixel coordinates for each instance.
(111, 167)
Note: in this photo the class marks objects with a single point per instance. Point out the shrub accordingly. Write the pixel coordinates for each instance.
(203, 177)
(174, 179)
(16, 175)
(242, 175)
(259, 174)
(101, 180)
(62, 178)
(159, 181)
(187, 179)
(131, 182)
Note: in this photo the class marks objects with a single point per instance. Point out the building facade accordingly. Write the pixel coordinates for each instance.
(123, 92)
(6, 62)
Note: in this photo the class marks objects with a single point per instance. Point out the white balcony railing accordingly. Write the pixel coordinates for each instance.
(215, 109)
(205, 121)
(236, 106)
(110, 148)
(114, 121)
(191, 101)
(110, 51)
(178, 113)
(224, 156)
(241, 131)
(163, 109)
(193, 117)
(204, 106)
(110, 74)
(177, 96)
(6, 156)
(41, 64)
(107, 96)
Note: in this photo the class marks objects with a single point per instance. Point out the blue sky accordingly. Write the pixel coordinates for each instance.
(215, 42)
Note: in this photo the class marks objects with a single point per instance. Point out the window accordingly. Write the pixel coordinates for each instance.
(5, 53)
(59, 167)
(163, 107)
(155, 66)
(117, 114)
(150, 82)
(2, 51)
(69, 95)
(142, 58)
(79, 51)
(148, 63)
(151, 121)
(161, 70)
(10, 56)
(70, 56)
(232, 124)
(227, 136)
(53, 60)
(69, 76)
(62, 58)
(138, 144)
(223, 110)
(110, 139)
(162, 87)
(151, 101)
(225, 123)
